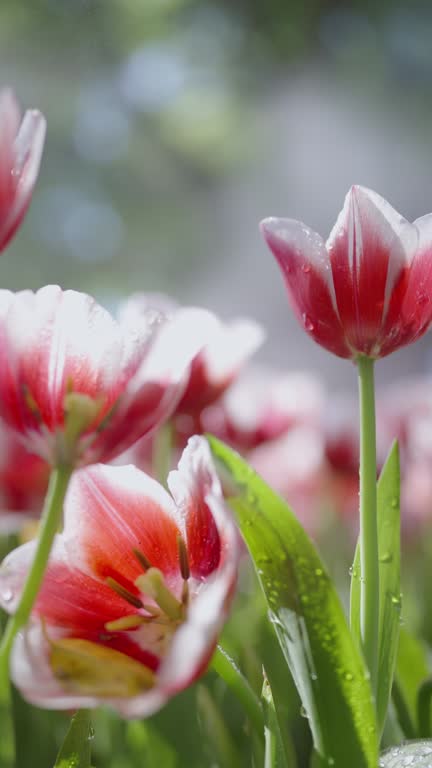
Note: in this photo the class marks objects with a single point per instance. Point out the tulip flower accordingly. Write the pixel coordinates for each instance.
(136, 591)
(21, 145)
(363, 294)
(263, 404)
(80, 387)
(217, 364)
(367, 290)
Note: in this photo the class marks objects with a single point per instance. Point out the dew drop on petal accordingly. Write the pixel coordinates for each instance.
(307, 322)
(7, 595)
(306, 268)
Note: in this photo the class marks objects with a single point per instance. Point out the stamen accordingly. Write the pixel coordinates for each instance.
(31, 403)
(124, 593)
(125, 623)
(183, 557)
(185, 593)
(142, 559)
(153, 584)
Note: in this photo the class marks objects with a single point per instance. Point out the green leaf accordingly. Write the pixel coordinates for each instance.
(388, 512)
(279, 753)
(147, 747)
(75, 750)
(411, 670)
(216, 731)
(7, 732)
(308, 617)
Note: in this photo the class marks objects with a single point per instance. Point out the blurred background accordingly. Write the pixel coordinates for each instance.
(174, 126)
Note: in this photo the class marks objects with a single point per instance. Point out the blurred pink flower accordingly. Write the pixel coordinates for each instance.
(23, 481)
(293, 465)
(367, 290)
(136, 591)
(217, 364)
(80, 387)
(263, 404)
(21, 145)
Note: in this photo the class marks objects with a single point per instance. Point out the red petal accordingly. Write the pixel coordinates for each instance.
(27, 153)
(9, 124)
(304, 262)
(109, 512)
(191, 486)
(68, 597)
(370, 248)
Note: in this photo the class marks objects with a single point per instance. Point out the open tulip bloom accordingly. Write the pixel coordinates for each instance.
(79, 387)
(21, 145)
(136, 592)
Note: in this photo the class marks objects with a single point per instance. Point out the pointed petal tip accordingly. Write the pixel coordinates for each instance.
(8, 99)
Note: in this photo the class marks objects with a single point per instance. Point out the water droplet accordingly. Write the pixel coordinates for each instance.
(304, 599)
(314, 676)
(319, 571)
(265, 560)
(303, 712)
(91, 733)
(307, 322)
(7, 595)
(396, 600)
(394, 503)
(387, 557)
(306, 268)
(348, 676)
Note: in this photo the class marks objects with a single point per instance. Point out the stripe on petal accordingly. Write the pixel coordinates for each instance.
(370, 248)
(109, 512)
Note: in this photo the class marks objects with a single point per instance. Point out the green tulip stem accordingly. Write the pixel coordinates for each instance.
(369, 563)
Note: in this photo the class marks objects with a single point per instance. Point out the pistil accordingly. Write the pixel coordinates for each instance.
(152, 583)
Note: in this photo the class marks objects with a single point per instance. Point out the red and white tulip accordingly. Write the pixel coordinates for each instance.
(79, 387)
(367, 290)
(136, 591)
(21, 145)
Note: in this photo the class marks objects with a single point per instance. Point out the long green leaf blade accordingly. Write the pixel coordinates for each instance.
(388, 511)
(412, 669)
(275, 752)
(308, 617)
(75, 751)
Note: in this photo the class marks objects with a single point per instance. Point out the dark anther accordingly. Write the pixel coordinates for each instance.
(142, 559)
(124, 593)
(183, 557)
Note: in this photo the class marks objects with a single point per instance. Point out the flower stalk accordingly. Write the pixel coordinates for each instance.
(369, 556)
(50, 523)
